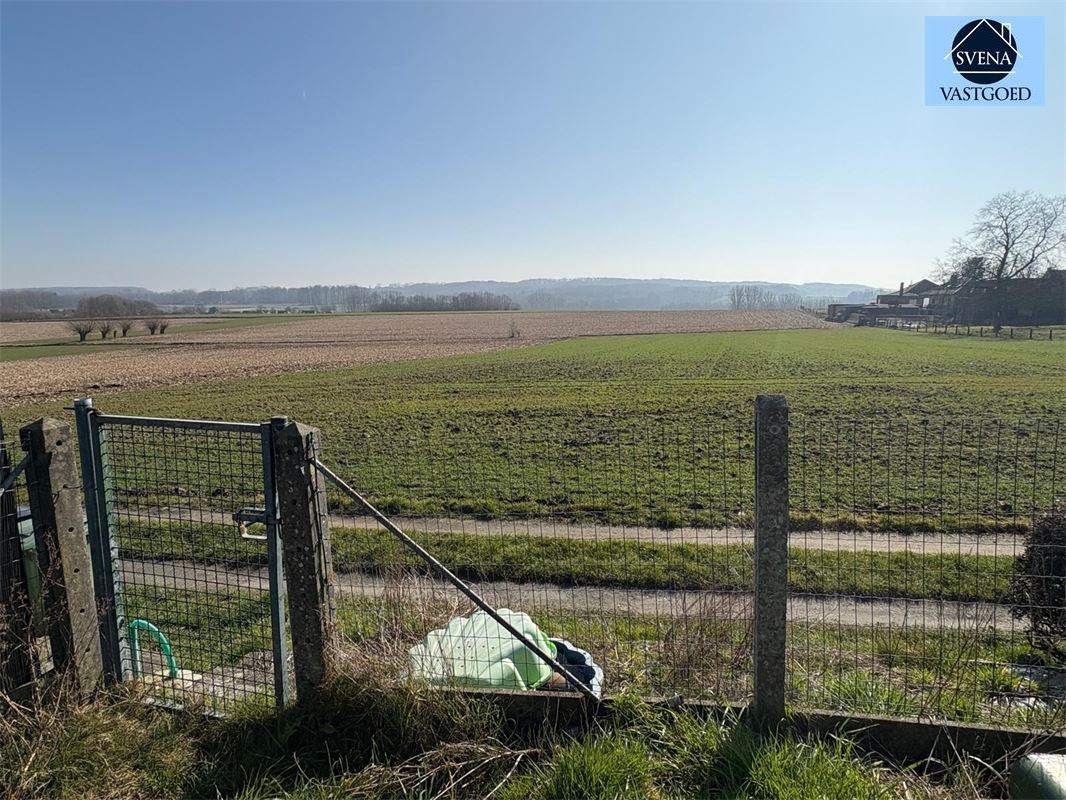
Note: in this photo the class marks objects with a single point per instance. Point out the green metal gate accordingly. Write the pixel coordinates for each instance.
(183, 529)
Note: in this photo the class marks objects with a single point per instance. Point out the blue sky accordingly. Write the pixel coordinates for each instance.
(210, 145)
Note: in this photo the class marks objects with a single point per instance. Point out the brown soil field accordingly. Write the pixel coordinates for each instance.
(54, 329)
(345, 341)
(532, 325)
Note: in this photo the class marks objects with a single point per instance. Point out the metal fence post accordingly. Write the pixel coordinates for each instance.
(63, 550)
(275, 566)
(101, 547)
(771, 558)
(306, 549)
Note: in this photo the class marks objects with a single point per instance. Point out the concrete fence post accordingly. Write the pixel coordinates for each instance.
(307, 559)
(771, 558)
(63, 551)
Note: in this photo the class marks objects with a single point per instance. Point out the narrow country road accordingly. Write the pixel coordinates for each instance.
(597, 600)
(847, 541)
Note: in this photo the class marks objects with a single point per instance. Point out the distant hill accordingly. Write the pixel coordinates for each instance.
(535, 293)
(632, 293)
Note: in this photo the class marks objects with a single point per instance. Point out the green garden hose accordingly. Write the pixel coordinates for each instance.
(135, 628)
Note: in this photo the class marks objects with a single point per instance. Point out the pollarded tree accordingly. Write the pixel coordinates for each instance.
(1015, 235)
(105, 326)
(124, 326)
(82, 327)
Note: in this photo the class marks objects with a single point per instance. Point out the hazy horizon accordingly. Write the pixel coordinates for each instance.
(533, 279)
(218, 145)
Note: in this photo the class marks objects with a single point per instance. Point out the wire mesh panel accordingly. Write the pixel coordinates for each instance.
(185, 505)
(618, 537)
(917, 568)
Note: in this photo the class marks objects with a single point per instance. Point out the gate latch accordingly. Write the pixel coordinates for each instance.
(246, 516)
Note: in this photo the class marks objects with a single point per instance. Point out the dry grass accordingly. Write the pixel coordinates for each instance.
(341, 342)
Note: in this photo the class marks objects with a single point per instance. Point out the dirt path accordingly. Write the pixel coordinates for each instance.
(845, 541)
(598, 600)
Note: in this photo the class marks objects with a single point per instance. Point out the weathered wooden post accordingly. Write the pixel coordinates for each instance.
(771, 558)
(63, 551)
(306, 553)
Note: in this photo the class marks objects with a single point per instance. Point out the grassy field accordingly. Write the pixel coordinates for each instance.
(891, 430)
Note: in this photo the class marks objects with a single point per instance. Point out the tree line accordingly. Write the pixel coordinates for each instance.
(756, 298)
(464, 301)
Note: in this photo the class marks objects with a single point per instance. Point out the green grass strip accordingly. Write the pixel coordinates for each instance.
(636, 564)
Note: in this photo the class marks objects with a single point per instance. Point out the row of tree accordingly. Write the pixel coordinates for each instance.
(112, 328)
(111, 305)
(464, 301)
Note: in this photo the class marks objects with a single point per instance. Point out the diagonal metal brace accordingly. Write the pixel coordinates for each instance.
(9, 480)
(458, 582)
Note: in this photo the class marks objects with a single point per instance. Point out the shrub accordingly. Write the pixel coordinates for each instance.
(1038, 587)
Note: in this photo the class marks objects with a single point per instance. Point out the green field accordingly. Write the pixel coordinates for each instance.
(891, 430)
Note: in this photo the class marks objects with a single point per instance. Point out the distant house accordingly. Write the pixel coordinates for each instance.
(839, 312)
(921, 288)
(1025, 301)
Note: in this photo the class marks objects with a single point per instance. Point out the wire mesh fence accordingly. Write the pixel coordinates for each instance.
(632, 539)
(192, 585)
(908, 568)
(916, 585)
(616, 536)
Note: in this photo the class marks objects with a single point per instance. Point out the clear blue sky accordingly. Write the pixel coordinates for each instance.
(210, 145)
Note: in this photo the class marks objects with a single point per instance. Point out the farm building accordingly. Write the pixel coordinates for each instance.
(1025, 301)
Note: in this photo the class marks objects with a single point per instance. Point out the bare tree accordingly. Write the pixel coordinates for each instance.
(751, 298)
(105, 326)
(82, 327)
(163, 326)
(151, 325)
(1015, 235)
(125, 326)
